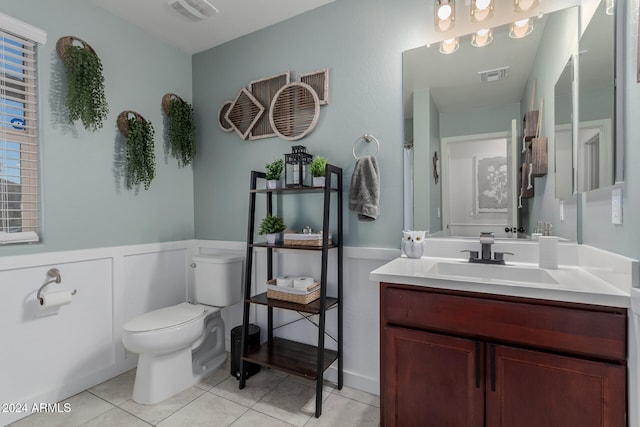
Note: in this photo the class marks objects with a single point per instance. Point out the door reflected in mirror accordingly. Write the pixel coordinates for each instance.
(446, 99)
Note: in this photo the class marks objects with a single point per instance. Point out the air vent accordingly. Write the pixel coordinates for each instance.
(195, 10)
(494, 75)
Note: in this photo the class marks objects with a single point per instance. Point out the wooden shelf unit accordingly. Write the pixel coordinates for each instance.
(308, 361)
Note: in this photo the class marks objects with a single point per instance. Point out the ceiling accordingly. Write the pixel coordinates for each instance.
(235, 19)
(454, 81)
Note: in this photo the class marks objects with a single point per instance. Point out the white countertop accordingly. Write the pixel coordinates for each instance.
(572, 283)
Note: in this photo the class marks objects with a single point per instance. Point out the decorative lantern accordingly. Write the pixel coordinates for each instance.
(296, 172)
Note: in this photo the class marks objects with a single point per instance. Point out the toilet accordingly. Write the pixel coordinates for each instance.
(179, 345)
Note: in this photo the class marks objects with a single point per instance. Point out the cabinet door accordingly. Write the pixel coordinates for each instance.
(431, 380)
(530, 388)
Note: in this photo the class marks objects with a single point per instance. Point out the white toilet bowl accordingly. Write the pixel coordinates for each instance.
(177, 346)
(181, 344)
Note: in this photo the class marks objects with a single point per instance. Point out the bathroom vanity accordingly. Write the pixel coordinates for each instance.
(464, 346)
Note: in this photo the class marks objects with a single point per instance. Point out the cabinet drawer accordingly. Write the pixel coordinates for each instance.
(579, 329)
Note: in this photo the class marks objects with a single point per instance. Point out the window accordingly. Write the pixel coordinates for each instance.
(19, 158)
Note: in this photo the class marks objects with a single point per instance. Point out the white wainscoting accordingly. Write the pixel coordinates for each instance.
(49, 358)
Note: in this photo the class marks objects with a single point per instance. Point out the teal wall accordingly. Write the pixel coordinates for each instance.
(477, 121)
(560, 40)
(85, 204)
(361, 41)
(597, 229)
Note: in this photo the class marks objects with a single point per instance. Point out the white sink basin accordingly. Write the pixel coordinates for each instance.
(491, 272)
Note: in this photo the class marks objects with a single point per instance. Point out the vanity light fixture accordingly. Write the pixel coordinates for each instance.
(524, 5)
(481, 10)
(482, 38)
(449, 46)
(609, 7)
(444, 14)
(521, 29)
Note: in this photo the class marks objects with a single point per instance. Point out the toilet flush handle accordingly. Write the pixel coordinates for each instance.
(192, 265)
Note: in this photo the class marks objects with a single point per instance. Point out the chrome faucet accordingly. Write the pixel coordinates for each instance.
(486, 240)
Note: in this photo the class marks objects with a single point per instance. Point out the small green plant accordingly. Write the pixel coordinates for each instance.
(85, 87)
(274, 169)
(181, 131)
(141, 157)
(318, 166)
(272, 224)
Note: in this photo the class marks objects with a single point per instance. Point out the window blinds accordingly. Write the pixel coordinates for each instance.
(19, 159)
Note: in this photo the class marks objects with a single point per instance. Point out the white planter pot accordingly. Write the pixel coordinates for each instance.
(273, 183)
(318, 181)
(272, 238)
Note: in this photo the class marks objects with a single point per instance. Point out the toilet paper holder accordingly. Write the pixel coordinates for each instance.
(54, 273)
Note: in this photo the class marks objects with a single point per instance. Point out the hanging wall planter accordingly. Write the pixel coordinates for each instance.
(85, 84)
(140, 157)
(181, 130)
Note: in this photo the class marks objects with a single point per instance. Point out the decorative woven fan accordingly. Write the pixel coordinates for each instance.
(244, 113)
(264, 90)
(294, 111)
(222, 120)
(319, 81)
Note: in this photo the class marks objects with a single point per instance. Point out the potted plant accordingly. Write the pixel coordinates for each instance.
(318, 168)
(274, 170)
(140, 152)
(271, 226)
(85, 83)
(181, 131)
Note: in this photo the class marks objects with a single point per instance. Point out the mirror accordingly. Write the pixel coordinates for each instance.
(596, 137)
(447, 103)
(563, 140)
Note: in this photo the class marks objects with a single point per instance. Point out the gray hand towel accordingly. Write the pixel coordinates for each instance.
(364, 194)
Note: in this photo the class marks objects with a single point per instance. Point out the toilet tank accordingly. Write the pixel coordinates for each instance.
(218, 279)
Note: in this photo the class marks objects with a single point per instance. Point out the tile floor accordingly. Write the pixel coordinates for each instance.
(270, 399)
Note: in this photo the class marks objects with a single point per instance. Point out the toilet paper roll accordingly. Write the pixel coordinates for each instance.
(302, 282)
(55, 299)
(284, 281)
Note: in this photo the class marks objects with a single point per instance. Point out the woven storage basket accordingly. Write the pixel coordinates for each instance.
(290, 296)
(64, 42)
(123, 121)
(317, 242)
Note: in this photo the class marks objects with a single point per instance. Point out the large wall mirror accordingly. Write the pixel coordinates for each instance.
(463, 127)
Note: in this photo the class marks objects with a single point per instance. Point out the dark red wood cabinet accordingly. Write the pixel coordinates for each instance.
(465, 359)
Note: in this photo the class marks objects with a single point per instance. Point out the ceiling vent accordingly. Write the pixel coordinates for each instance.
(494, 75)
(195, 10)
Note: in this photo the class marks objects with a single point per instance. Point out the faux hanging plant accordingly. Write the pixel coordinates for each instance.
(181, 130)
(140, 153)
(85, 100)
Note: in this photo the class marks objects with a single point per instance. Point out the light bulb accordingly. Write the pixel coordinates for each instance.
(449, 46)
(521, 28)
(444, 12)
(482, 38)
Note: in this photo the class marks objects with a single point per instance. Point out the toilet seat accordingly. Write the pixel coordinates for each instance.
(168, 317)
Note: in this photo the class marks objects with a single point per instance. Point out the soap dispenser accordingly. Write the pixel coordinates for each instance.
(548, 252)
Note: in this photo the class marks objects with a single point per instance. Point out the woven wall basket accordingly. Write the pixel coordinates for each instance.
(123, 121)
(64, 42)
(294, 111)
(166, 101)
(222, 120)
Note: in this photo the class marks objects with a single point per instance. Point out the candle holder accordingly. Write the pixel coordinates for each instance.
(296, 172)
